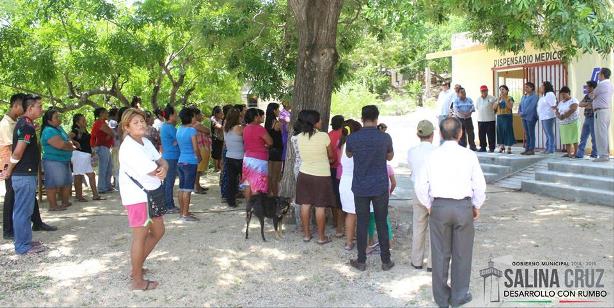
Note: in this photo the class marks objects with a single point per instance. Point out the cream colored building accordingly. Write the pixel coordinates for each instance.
(474, 65)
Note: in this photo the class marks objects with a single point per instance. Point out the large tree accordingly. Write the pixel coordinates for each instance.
(96, 52)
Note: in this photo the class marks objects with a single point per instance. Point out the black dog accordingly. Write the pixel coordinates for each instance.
(264, 206)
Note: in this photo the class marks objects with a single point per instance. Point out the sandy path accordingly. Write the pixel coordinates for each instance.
(211, 264)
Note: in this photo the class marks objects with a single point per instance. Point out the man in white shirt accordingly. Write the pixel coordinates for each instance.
(486, 120)
(416, 158)
(444, 100)
(453, 188)
(602, 108)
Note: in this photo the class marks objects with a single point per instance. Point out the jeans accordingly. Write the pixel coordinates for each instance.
(529, 132)
(380, 209)
(25, 197)
(487, 129)
(588, 129)
(549, 131)
(7, 211)
(233, 168)
(467, 129)
(187, 176)
(105, 168)
(602, 126)
(169, 183)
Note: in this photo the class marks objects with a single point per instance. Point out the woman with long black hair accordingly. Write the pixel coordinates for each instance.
(82, 158)
(256, 141)
(545, 111)
(505, 128)
(57, 152)
(273, 127)
(217, 136)
(313, 186)
(233, 160)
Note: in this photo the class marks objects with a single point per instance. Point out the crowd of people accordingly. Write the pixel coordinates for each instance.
(495, 117)
(345, 170)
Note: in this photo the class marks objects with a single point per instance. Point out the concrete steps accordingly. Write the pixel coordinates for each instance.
(569, 192)
(584, 167)
(575, 180)
(497, 166)
(495, 169)
(578, 180)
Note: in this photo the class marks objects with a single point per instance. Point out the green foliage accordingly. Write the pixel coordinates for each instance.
(574, 26)
(97, 52)
(352, 96)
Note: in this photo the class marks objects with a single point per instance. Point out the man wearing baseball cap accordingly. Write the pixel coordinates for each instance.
(416, 158)
(486, 119)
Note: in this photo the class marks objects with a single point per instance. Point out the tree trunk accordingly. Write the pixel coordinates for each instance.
(156, 91)
(316, 23)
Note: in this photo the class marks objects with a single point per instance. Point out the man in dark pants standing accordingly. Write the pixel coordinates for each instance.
(7, 126)
(487, 124)
(463, 108)
(452, 187)
(370, 148)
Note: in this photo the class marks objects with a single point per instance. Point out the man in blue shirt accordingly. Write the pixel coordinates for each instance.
(370, 148)
(528, 113)
(463, 108)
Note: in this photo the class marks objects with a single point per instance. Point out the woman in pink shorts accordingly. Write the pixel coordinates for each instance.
(141, 161)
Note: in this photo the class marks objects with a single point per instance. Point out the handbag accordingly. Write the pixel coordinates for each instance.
(156, 200)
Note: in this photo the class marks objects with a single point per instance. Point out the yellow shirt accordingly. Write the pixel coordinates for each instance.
(508, 106)
(7, 126)
(314, 154)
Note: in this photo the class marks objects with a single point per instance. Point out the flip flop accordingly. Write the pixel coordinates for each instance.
(57, 209)
(307, 240)
(349, 247)
(326, 241)
(82, 200)
(98, 198)
(151, 285)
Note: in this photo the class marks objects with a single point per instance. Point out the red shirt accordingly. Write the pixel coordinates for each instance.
(253, 142)
(335, 136)
(100, 138)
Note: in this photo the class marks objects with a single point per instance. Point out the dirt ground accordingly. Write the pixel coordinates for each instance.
(210, 263)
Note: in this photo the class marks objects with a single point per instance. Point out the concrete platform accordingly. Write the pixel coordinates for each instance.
(575, 180)
(497, 166)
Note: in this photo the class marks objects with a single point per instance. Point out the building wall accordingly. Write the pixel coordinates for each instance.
(474, 68)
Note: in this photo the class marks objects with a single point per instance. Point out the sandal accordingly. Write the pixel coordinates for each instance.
(81, 199)
(98, 198)
(151, 285)
(307, 239)
(326, 241)
(349, 247)
(57, 209)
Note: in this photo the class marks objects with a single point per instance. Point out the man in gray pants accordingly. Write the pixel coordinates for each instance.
(452, 187)
(602, 106)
